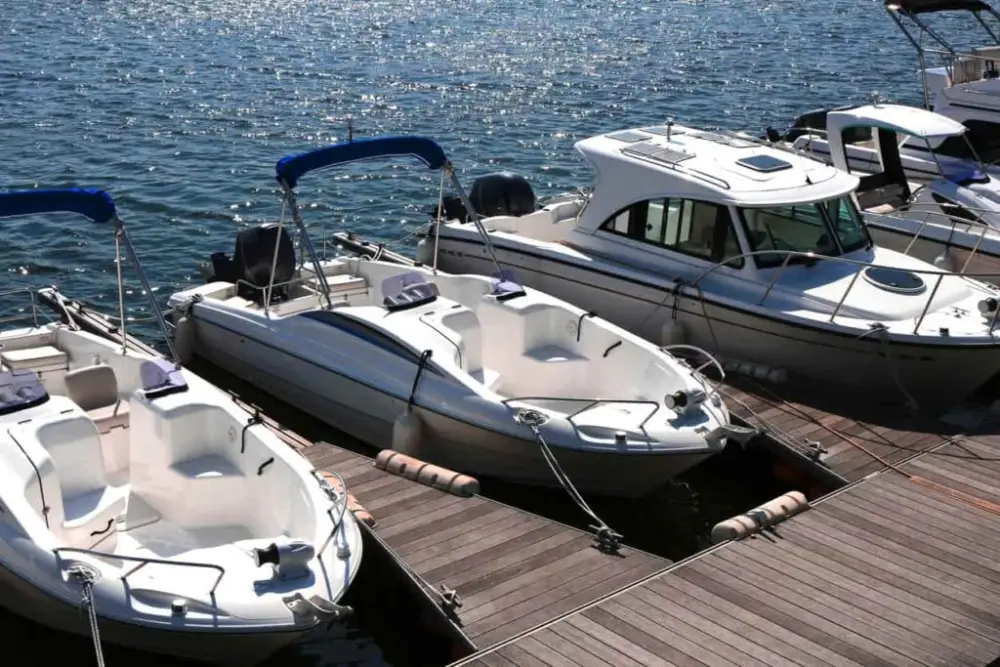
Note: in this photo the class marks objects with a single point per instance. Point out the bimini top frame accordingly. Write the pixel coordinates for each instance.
(99, 207)
(293, 167)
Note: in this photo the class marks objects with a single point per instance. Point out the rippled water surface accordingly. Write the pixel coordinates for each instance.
(181, 108)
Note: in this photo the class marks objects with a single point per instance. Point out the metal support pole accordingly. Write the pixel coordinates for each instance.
(132, 257)
(307, 242)
(475, 217)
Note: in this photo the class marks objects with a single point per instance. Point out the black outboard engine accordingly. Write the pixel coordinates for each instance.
(252, 260)
(502, 194)
(815, 119)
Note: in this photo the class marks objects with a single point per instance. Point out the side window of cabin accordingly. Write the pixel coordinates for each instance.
(692, 227)
(982, 134)
(954, 210)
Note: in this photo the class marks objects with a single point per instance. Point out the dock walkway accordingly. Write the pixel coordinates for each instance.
(899, 569)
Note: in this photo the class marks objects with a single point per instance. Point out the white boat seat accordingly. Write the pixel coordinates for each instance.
(89, 505)
(95, 390)
(41, 359)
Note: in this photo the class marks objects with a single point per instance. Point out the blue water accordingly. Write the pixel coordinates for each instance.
(180, 108)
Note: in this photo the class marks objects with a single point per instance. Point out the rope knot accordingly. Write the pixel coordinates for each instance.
(530, 417)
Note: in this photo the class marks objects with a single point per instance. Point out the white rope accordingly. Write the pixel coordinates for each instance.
(437, 223)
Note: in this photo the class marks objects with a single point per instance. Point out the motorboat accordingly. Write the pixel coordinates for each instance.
(754, 253)
(940, 209)
(139, 491)
(472, 372)
(962, 84)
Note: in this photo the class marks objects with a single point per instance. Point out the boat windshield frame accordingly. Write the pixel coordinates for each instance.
(843, 242)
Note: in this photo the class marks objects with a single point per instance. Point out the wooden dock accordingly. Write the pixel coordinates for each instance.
(897, 569)
(829, 437)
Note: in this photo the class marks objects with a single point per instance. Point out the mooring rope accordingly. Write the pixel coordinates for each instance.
(608, 541)
(86, 579)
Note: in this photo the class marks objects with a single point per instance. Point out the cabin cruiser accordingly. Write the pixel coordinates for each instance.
(138, 490)
(754, 253)
(476, 373)
(963, 85)
(952, 220)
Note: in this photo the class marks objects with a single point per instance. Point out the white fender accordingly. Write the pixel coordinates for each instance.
(407, 433)
(184, 339)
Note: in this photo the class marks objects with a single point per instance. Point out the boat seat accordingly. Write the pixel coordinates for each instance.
(41, 359)
(89, 505)
(95, 390)
(465, 325)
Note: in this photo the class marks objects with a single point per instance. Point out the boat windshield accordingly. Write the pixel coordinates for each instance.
(832, 228)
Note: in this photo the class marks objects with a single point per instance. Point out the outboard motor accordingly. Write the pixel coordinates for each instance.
(502, 193)
(814, 122)
(252, 261)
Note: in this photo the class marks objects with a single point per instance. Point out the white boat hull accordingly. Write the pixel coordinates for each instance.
(368, 414)
(856, 364)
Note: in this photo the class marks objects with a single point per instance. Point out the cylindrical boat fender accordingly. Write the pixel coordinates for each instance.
(407, 433)
(672, 333)
(185, 338)
(768, 514)
(944, 261)
(425, 249)
(419, 471)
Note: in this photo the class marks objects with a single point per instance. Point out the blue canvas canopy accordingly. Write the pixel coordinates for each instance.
(293, 167)
(94, 204)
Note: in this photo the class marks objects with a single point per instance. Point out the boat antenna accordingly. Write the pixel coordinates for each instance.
(350, 129)
(670, 125)
(122, 240)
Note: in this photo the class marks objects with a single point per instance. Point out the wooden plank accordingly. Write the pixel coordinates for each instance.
(665, 602)
(885, 581)
(797, 619)
(618, 620)
(888, 621)
(744, 621)
(616, 641)
(851, 624)
(503, 555)
(564, 600)
(686, 638)
(589, 643)
(900, 565)
(573, 653)
(900, 609)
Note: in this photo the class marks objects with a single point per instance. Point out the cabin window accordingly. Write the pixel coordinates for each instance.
(982, 134)
(831, 228)
(696, 228)
(953, 210)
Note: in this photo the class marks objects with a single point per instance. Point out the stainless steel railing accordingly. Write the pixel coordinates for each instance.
(788, 255)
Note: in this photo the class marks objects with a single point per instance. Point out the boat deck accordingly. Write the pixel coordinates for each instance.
(897, 569)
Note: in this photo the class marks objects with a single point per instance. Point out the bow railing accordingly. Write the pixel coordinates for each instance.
(859, 266)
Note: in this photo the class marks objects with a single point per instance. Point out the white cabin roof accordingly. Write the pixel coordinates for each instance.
(912, 121)
(641, 163)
